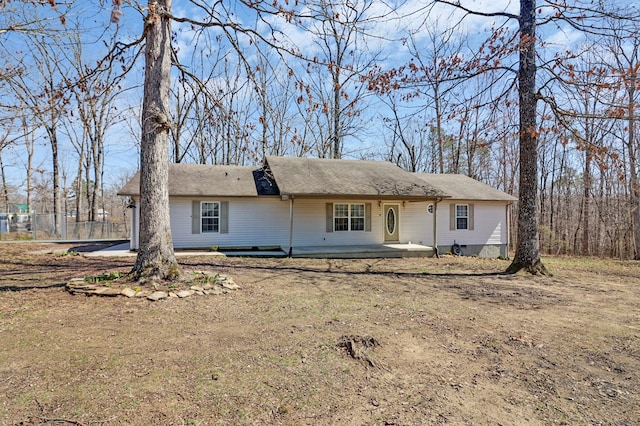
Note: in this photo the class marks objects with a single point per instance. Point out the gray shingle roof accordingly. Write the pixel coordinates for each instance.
(461, 187)
(199, 180)
(318, 177)
(325, 177)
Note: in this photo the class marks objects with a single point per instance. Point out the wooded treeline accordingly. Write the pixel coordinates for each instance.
(345, 82)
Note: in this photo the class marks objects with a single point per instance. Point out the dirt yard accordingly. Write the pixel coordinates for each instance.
(322, 342)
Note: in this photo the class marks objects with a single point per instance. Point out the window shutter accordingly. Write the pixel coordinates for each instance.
(367, 217)
(195, 217)
(452, 217)
(224, 217)
(470, 213)
(329, 217)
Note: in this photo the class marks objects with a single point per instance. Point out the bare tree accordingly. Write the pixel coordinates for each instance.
(494, 56)
(624, 48)
(408, 145)
(46, 105)
(340, 32)
(156, 258)
(588, 90)
(527, 254)
(95, 92)
(5, 141)
(274, 84)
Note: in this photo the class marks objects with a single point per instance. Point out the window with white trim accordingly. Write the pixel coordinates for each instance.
(348, 217)
(462, 216)
(210, 216)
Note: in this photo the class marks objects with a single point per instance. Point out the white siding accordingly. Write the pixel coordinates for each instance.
(263, 221)
(310, 224)
(490, 224)
(252, 222)
(416, 224)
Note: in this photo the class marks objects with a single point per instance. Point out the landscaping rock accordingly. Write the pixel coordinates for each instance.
(158, 295)
(108, 291)
(227, 282)
(128, 292)
(216, 284)
(185, 293)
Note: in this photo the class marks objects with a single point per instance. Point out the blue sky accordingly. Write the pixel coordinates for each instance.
(121, 151)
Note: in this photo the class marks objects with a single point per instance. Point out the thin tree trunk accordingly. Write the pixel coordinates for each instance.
(78, 188)
(586, 204)
(5, 191)
(57, 219)
(87, 174)
(439, 136)
(335, 134)
(28, 142)
(97, 149)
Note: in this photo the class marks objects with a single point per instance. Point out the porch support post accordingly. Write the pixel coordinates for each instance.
(133, 219)
(136, 227)
(290, 225)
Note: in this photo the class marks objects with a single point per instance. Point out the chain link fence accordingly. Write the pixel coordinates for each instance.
(40, 227)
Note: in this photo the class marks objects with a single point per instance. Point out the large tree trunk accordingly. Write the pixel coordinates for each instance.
(635, 188)
(156, 258)
(634, 180)
(527, 254)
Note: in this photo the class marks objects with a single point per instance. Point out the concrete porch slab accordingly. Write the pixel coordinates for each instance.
(364, 251)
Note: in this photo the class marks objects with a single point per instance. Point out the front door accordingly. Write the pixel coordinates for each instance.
(391, 223)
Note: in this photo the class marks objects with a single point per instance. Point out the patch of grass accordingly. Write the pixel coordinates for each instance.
(200, 278)
(111, 276)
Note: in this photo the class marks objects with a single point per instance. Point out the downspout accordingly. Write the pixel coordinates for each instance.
(507, 217)
(435, 228)
(290, 225)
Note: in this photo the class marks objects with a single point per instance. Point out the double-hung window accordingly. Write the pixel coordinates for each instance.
(348, 217)
(462, 216)
(210, 216)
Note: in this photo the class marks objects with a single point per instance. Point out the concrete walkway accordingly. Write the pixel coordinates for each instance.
(122, 250)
